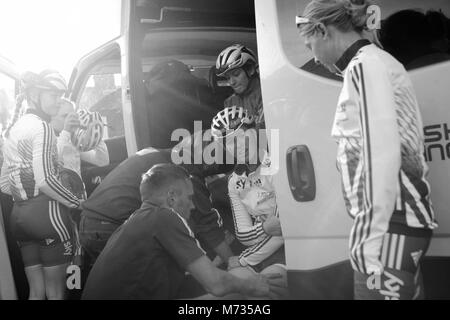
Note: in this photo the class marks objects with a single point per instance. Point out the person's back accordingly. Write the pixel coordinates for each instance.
(118, 196)
(114, 200)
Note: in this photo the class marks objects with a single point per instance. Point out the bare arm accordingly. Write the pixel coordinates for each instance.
(220, 283)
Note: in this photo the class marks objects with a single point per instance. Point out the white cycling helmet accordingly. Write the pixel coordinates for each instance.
(90, 133)
(229, 120)
(233, 57)
(46, 80)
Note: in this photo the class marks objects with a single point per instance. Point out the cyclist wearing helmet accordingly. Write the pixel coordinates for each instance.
(39, 217)
(79, 141)
(239, 65)
(252, 195)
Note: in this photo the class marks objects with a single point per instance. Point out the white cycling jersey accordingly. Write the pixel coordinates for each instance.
(253, 199)
(378, 128)
(30, 164)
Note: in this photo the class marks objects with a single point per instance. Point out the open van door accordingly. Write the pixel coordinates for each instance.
(300, 102)
(97, 84)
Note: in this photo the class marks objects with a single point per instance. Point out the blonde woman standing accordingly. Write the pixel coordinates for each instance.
(378, 129)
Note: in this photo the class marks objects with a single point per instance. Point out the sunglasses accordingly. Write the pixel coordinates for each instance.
(299, 20)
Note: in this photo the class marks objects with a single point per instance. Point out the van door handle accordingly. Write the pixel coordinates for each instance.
(300, 170)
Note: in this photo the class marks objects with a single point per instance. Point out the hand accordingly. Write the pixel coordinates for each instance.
(272, 226)
(233, 262)
(271, 285)
(217, 261)
(80, 206)
(72, 122)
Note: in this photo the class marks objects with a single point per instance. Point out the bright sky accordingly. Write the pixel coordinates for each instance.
(39, 34)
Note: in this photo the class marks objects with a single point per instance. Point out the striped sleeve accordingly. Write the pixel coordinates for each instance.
(261, 251)
(43, 168)
(246, 232)
(372, 89)
(4, 183)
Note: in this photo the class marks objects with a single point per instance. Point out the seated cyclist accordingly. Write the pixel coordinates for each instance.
(252, 196)
(239, 65)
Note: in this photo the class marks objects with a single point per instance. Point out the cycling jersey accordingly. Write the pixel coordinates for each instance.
(378, 129)
(250, 100)
(252, 197)
(30, 162)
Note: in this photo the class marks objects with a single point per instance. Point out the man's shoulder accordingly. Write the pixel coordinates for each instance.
(164, 217)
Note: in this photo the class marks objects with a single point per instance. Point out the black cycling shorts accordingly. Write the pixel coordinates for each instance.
(43, 230)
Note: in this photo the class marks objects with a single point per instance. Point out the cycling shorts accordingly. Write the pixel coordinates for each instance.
(43, 230)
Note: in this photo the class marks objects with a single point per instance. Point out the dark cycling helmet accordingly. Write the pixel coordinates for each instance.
(229, 120)
(233, 57)
(46, 80)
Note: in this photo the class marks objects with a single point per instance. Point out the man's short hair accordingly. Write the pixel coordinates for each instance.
(160, 176)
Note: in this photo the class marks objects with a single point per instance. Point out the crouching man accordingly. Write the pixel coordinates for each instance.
(148, 256)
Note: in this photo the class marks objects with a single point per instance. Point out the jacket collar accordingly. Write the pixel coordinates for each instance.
(41, 114)
(350, 53)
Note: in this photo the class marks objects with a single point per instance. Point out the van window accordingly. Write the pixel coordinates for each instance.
(7, 98)
(436, 30)
(102, 93)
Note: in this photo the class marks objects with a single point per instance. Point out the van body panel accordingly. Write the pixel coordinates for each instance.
(432, 88)
(302, 110)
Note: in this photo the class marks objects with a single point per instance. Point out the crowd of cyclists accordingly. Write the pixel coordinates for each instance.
(150, 230)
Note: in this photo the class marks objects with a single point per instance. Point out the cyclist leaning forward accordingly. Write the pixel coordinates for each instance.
(30, 173)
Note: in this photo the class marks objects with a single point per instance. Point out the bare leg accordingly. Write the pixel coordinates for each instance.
(55, 282)
(35, 277)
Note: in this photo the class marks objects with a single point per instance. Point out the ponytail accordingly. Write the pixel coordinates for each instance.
(345, 15)
(17, 113)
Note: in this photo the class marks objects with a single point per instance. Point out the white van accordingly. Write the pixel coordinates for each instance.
(298, 101)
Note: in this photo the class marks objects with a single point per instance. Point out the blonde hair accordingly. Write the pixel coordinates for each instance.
(16, 115)
(345, 15)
